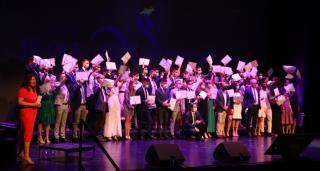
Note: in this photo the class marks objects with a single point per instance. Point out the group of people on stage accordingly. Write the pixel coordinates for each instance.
(176, 103)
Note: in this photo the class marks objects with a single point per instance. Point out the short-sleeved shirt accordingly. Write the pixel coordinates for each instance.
(28, 96)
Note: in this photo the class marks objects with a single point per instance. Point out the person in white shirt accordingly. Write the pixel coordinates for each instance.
(62, 107)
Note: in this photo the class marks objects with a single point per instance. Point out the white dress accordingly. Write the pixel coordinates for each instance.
(264, 103)
(112, 125)
(237, 108)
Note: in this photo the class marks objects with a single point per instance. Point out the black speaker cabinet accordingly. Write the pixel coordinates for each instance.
(164, 155)
(290, 146)
(231, 152)
(8, 141)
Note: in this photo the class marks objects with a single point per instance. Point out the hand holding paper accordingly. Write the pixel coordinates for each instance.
(126, 57)
(134, 100)
(39, 98)
(97, 60)
(151, 99)
(240, 66)
(203, 94)
(209, 60)
(172, 103)
(144, 61)
(68, 59)
(111, 65)
(179, 60)
(226, 60)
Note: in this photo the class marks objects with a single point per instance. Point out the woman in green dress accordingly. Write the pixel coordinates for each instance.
(211, 122)
(46, 113)
(211, 117)
(205, 107)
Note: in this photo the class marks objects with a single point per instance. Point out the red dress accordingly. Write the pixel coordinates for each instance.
(27, 115)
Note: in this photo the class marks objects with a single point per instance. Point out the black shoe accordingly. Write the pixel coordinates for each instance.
(64, 140)
(56, 141)
(141, 138)
(165, 136)
(75, 139)
(200, 139)
(192, 137)
(152, 137)
(100, 138)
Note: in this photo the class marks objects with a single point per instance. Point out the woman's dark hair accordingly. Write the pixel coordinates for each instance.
(26, 81)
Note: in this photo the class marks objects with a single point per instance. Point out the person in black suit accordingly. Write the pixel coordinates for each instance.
(143, 110)
(100, 105)
(252, 104)
(71, 84)
(162, 102)
(190, 87)
(223, 106)
(194, 124)
(79, 106)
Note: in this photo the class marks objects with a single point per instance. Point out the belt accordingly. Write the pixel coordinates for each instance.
(82, 104)
(64, 103)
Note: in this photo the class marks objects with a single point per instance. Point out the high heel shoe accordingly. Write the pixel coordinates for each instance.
(40, 140)
(47, 140)
(28, 161)
(128, 138)
(21, 155)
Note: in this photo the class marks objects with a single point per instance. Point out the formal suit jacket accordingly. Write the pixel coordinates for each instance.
(220, 101)
(162, 96)
(143, 97)
(77, 97)
(71, 83)
(188, 122)
(248, 97)
(98, 100)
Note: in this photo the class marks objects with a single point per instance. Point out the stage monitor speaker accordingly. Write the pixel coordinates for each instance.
(290, 146)
(231, 152)
(8, 143)
(164, 155)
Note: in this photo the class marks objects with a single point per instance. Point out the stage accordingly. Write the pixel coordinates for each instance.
(130, 155)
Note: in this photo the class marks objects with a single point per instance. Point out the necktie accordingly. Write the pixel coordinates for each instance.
(66, 97)
(82, 94)
(254, 95)
(192, 118)
(145, 93)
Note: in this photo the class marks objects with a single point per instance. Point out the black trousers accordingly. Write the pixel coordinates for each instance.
(163, 116)
(191, 131)
(252, 117)
(99, 121)
(144, 113)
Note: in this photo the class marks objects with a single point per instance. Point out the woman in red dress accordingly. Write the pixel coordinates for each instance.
(27, 100)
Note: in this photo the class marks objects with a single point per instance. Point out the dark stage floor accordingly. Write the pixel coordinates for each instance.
(130, 155)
